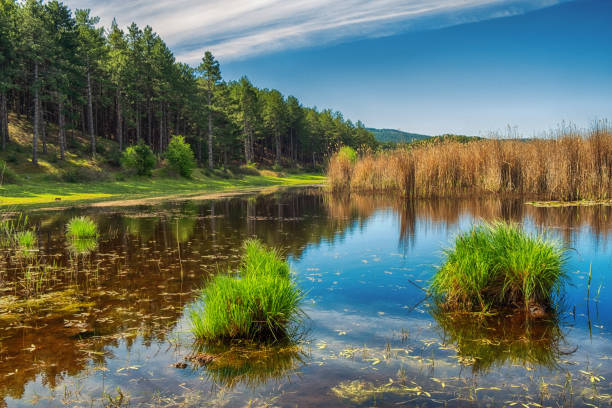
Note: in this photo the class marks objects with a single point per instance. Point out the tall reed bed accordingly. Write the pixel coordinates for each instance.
(571, 165)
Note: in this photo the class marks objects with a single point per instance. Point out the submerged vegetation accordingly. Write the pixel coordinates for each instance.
(570, 166)
(262, 303)
(497, 266)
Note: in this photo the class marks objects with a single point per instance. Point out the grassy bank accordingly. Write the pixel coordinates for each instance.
(39, 191)
(570, 166)
(80, 179)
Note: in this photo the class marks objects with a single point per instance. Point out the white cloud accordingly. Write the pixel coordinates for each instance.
(235, 29)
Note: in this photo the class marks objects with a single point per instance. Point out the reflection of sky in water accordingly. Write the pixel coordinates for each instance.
(367, 271)
(368, 321)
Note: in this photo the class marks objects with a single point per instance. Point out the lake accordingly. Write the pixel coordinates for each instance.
(107, 325)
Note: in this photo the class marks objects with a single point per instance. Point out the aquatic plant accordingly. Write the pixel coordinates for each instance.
(498, 265)
(262, 303)
(340, 169)
(81, 227)
(569, 165)
(10, 227)
(26, 240)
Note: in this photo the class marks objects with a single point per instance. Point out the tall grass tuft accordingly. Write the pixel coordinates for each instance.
(26, 240)
(261, 303)
(496, 266)
(569, 165)
(341, 168)
(81, 227)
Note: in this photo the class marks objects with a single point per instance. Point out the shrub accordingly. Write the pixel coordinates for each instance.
(247, 169)
(138, 159)
(180, 156)
(261, 304)
(113, 157)
(81, 175)
(12, 157)
(499, 266)
(81, 227)
(348, 153)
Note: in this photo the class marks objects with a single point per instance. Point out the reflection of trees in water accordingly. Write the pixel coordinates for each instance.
(489, 342)
(345, 209)
(138, 287)
(134, 280)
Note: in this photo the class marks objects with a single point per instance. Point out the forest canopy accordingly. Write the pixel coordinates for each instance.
(125, 85)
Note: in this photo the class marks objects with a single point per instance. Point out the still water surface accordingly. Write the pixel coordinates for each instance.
(112, 326)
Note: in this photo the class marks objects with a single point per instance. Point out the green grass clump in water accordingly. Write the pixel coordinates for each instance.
(81, 227)
(499, 266)
(262, 303)
(26, 240)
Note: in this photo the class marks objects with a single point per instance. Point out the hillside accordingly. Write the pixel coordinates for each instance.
(79, 178)
(396, 136)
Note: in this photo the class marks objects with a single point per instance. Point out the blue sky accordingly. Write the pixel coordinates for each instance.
(427, 66)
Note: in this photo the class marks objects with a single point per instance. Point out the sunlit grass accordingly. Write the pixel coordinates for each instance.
(261, 304)
(26, 240)
(498, 265)
(81, 227)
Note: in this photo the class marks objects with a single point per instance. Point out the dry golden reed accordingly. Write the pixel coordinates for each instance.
(569, 166)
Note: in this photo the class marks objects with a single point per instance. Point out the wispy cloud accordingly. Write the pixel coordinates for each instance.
(235, 29)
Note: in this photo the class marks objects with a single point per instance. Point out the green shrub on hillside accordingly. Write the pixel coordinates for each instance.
(139, 159)
(180, 156)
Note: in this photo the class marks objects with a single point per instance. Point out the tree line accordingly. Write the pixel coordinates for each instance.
(61, 67)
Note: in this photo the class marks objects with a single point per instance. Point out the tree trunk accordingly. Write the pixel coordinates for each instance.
(137, 122)
(43, 127)
(161, 127)
(252, 144)
(278, 147)
(150, 124)
(36, 113)
(4, 119)
(210, 135)
(62, 129)
(119, 121)
(199, 146)
(90, 112)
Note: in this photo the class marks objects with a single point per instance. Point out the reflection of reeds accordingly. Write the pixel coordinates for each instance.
(344, 209)
(494, 341)
(251, 365)
(570, 166)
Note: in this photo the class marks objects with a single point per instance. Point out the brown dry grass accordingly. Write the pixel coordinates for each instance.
(570, 166)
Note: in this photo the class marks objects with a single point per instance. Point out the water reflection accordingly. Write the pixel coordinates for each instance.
(121, 303)
(487, 343)
(250, 365)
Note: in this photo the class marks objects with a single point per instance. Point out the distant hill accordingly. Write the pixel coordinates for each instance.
(396, 136)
